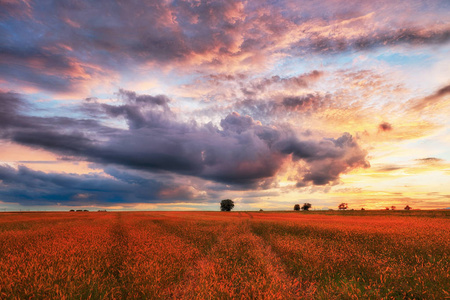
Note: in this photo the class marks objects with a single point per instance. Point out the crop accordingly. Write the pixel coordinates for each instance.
(225, 255)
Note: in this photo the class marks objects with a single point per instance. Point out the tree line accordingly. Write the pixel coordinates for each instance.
(228, 205)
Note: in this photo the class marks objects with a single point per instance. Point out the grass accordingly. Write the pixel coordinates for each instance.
(225, 255)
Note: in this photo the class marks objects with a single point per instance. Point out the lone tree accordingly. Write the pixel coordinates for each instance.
(297, 207)
(393, 207)
(343, 206)
(306, 206)
(226, 205)
(407, 207)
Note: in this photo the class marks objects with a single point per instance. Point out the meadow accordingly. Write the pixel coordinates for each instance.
(225, 255)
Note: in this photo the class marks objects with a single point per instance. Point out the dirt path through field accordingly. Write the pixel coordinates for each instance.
(118, 254)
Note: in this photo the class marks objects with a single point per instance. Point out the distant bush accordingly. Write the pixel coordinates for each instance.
(297, 207)
(343, 206)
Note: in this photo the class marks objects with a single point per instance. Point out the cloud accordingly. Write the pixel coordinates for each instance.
(373, 39)
(49, 69)
(431, 99)
(243, 152)
(429, 160)
(62, 46)
(260, 85)
(326, 159)
(283, 106)
(384, 126)
(30, 187)
(389, 168)
(302, 103)
(10, 106)
(237, 123)
(135, 110)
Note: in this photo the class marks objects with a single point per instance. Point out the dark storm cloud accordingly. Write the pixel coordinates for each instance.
(27, 186)
(67, 135)
(326, 159)
(132, 97)
(237, 123)
(135, 112)
(243, 153)
(30, 187)
(10, 105)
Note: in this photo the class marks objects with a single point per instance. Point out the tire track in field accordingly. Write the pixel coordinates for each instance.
(299, 289)
(118, 255)
(210, 264)
(224, 255)
(289, 286)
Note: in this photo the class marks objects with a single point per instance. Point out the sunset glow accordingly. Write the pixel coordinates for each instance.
(175, 105)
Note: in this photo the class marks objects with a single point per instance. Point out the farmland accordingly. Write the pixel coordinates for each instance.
(224, 255)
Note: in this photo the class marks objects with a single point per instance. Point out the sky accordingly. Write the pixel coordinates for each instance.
(175, 105)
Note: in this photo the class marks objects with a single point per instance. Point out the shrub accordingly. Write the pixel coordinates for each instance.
(343, 206)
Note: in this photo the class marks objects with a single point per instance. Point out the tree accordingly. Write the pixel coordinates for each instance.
(297, 207)
(393, 207)
(343, 206)
(226, 205)
(407, 207)
(306, 206)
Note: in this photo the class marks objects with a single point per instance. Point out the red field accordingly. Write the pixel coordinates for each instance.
(220, 255)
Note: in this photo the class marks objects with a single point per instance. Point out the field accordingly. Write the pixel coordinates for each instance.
(225, 255)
